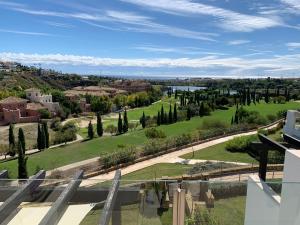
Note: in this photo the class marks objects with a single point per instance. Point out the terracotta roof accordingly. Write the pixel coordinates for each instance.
(32, 89)
(35, 106)
(12, 99)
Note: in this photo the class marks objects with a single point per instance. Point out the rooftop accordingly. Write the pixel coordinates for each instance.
(12, 99)
(35, 106)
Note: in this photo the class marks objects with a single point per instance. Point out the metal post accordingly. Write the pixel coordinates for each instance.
(111, 200)
(14, 200)
(263, 163)
(60, 205)
(179, 207)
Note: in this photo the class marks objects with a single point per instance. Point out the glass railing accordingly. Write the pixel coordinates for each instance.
(141, 202)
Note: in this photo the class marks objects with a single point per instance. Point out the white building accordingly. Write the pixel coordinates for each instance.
(292, 126)
(35, 95)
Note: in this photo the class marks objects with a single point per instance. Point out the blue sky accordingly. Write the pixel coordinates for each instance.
(154, 38)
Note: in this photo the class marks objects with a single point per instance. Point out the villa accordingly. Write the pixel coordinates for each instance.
(34, 95)
(16, 110)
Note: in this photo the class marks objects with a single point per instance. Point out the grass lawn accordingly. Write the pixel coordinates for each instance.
(158, 171)
(218, 152)
(131, 215)
(60, 156)
(30, 131)
(229, 211)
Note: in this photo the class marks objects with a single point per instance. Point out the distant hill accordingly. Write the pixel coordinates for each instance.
(16, 77)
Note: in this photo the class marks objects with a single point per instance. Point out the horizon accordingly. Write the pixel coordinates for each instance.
(135, 38)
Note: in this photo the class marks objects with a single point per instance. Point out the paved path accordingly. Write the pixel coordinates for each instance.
(167, 158)
(32, 151)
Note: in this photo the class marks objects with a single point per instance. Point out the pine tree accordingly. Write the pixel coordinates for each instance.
(170, 119)
(158, 119)
(188, 114)
(143, 120)
(162, 115)
(99, 125)
(125, 122)
(22, 160)
(45, 128)
(120, 124)
(175, 113)
(11, 140)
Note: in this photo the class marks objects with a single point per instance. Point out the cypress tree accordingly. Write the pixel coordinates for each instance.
(158, 119)
(43, 138)
(125, 123)
(162, 115)
(90, 130)
(39, 144)
(45, 128)
(21, 139)
(267, 99)
(99, 125)
(236, 117)
(22, 160)
(201, 109)
(175, 113)
(166, 120)
(11, 140)
(170, 115)
(232, 121)
(120, 124)
(248, 97)
(188, 114)
(143, 120)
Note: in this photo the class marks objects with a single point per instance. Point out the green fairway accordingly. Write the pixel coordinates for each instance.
(218, 152)
(50, 159)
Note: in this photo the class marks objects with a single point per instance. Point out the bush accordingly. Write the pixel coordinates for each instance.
(55, 124)
(44, 114)
(119, 157)
(240, 144)
(271, 117)
(281, 114)
(154, 133)
(66, 133)
(210, 123)
(111, 129)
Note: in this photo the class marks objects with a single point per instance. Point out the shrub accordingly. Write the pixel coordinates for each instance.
(240, 144)
(55, 124)
(271, 117)
(210, 123)
(281, 114)
(153, 147)
(111, 129)
(119, 157)
(66, 133)
(44, 113)
(154, 133)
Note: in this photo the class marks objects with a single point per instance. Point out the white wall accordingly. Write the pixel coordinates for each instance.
(290, 194)
(262, 205)
(289, 127)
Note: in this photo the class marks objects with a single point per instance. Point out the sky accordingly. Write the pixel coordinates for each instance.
(169, 38)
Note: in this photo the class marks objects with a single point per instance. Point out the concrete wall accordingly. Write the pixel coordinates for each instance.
(262, 205)
(290, 126)
(290, 194)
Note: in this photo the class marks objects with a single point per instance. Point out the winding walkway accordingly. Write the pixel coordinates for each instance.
(167, 158)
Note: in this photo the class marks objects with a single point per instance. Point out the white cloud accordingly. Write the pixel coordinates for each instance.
(293, 45)
(227, 19)
(271, 65)
(292, 3)
(129, 22)
(25, 32)
(238, 42)
(178, 50)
